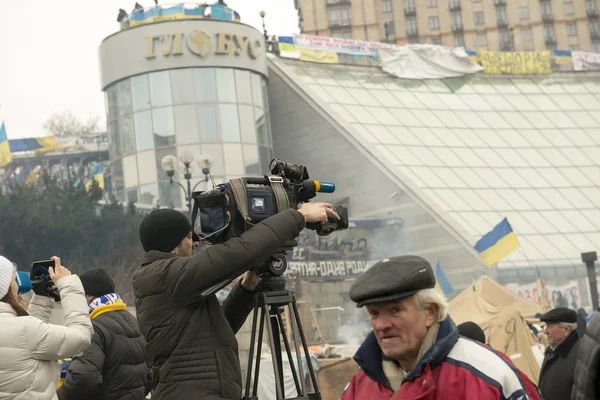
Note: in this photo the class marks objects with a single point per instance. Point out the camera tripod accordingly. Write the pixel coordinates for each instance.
(270, 300)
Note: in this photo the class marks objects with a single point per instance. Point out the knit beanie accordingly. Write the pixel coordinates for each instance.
(163, 230)
(7, 274)
(96, 282)
(472, 331)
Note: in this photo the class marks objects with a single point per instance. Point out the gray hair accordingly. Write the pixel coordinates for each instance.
(432, 296)
(571, 325)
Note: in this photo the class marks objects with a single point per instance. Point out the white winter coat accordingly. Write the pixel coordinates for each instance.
(30, 346)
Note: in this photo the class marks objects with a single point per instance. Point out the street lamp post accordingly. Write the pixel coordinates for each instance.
(262, 16)
(185, 164)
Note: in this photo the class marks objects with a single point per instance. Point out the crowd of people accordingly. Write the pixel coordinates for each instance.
(182, 345)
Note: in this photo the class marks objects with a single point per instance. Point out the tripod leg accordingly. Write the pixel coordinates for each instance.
(298, 356)
(251, 353)
(276, 367)
(258, 351)
(277, 349)
(299, 390)
(313, 377)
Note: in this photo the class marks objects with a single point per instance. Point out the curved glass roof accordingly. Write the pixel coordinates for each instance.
(481, 148)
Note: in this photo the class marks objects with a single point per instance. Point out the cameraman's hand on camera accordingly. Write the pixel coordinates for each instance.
(317, 212)
(250, 280)
(58, 272)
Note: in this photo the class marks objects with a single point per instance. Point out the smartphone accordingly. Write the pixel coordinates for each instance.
(39, 268)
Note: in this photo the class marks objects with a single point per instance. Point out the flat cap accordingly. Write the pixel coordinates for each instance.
(392, 279)
(560, 314)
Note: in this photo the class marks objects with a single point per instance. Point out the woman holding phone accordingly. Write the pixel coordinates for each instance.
(29, 345)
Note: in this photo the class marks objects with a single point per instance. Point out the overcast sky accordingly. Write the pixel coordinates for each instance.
(48, 54)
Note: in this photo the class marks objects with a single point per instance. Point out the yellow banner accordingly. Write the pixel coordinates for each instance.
(288, 48)
(563, 60)
(516, 63)
(5, 154)
(323, 57)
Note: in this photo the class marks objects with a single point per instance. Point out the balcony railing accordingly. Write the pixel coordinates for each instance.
(413, 33)
(457, 28)
(502, 23)
(592, 13)
(345, 23)
(547, 18)
(410, 12)
(550, 40)
(498, 3)
(595, 35)
(338, 2)
(454, 6)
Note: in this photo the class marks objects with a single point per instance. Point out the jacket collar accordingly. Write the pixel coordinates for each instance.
(564, 348)
(6, 308)
(154, 255)
(369, 356)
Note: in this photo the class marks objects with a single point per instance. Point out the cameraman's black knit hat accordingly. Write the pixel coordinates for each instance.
(96, 282)
(163, 230)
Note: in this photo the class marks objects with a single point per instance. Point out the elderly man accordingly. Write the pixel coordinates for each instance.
(556, 376)
(414, 350)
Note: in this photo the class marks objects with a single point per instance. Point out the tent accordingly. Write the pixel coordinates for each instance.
(500, 314)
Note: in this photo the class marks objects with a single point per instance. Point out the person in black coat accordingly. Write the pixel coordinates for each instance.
(557, 374)
(587, 375)
(114, 366)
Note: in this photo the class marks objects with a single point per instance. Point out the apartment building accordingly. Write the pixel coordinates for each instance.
(495, 25)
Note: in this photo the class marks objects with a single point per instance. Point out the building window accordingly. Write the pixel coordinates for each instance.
(505, 37)
(571, 29)
(411, 25)
(590, 5)
(501, 13)
(546, 9)
(345, 17)
(409, 5)
(594, 28)
(478, 17)
(459, 41)
(431, 3)
(386, 6)
(391, 28)
(436, 40)
(596, 47)
(526, 34)
(334, 17)
(476, 1)
(523, 13)
(347, 35)
(549, 32)
(568, 8)
(481, 40)
(457, 20)
(434, 23)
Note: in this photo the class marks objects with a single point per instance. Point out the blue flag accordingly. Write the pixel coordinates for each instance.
(442, 280)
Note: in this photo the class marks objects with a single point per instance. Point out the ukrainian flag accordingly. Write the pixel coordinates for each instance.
(98, 175)
(497, 244)
(220, 11)
(5, 154)
(442, 283)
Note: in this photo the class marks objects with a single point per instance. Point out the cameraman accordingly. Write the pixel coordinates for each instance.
(191, 340)
(30, 346)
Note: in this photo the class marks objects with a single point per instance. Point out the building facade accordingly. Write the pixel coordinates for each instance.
(494, 25)
(186, 87)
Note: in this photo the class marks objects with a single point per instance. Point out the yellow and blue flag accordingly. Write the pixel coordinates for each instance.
(98, 175)
(220, 11)
(497, 244)
(5, 154)
(442, 284)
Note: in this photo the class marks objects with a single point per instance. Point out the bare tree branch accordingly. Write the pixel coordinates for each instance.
(67, 124)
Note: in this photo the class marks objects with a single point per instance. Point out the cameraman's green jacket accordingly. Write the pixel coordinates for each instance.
(191, 340)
